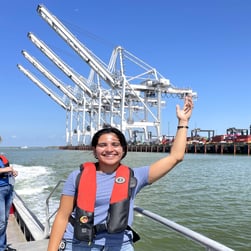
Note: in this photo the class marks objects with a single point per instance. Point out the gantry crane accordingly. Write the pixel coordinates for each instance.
(126, 93)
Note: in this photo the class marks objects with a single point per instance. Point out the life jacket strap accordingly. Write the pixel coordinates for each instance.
(103, 227)
(100, 228)
(97, 228)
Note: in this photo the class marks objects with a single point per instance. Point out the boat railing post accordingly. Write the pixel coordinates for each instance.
(47, 226)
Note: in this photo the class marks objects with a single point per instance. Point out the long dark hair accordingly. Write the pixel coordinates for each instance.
(114, 130)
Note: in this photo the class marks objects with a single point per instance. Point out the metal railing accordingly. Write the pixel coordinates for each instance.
(47, 227)
(198, 238)
(208, 243)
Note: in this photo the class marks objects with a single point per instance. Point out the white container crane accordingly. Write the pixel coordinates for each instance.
(127, 93)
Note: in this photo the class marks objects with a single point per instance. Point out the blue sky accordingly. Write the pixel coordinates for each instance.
(203, 45)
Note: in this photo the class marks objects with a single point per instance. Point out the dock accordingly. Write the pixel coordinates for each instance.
(210, 148)
(220, 148)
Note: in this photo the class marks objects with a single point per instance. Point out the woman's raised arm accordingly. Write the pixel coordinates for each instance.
(161, 167)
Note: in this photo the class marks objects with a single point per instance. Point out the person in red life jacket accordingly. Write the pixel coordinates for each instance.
(96, 206)
(6, 196)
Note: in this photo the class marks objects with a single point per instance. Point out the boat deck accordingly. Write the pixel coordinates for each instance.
(24, 230)
(17, 240)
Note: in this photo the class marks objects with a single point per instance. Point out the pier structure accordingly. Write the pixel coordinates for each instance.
(208, 148)
(126, 93)
(220, 148)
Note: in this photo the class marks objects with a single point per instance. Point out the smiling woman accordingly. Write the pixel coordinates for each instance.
(99, 198)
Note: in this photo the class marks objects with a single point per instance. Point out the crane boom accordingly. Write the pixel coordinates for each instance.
(51, 77)
(60, 63)
(43, 87)
(76, 45)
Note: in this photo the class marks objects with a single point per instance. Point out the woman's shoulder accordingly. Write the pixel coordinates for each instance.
(140, 169)
(141, 172)
(73, 175)
(70, 184)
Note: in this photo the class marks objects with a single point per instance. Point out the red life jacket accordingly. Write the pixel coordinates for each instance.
(5, 161)
(117, 219)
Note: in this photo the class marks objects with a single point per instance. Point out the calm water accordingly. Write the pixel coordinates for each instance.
(210, 194)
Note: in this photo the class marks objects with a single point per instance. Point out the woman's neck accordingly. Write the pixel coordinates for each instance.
(106, 168)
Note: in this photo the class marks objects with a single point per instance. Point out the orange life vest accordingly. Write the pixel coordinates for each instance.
(5, 161)
(117, 220)
(6, 164)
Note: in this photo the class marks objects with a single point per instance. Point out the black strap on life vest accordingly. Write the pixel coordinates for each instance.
(117, 219)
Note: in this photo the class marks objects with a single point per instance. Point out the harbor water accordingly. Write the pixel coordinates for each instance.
(208, 193)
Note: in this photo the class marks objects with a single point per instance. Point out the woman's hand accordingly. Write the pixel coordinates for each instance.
(185, 113)
(11, 170)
